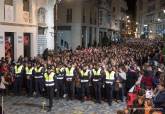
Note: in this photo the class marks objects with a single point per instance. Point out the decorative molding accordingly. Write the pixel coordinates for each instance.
(16, 24)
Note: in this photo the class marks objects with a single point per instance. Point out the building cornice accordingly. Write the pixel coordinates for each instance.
(16, 24)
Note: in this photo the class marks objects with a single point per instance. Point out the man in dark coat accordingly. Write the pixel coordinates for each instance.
(159, 99)
(131, 78)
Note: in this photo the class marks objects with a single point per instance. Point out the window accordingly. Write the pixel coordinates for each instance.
(41, 15)
(8, 10)
(69, 15)
(9, 2)
(26, 6)
(150, 18)
(114, 9)
(100, 17)
(141, 5)
(90, 16)
(162, 3)
(62, 42)
(151, 8)
(161, 15)
(83, 15)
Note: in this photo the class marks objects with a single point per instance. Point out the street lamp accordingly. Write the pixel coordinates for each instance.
(56, 24)
(164, 11)
(159, 19)
(127, 17)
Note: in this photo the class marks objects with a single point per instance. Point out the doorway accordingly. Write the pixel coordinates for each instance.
(27, 45)
(9, 45)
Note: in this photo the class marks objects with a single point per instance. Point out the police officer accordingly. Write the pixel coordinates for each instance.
(60, 73)
(84, 79)
(18, 69)
(70, 85)
(49, 77)
(29, 70)
(109, 84)
(38, 75)
(96, 79)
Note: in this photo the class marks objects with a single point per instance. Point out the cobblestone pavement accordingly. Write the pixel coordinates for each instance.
(25, 105)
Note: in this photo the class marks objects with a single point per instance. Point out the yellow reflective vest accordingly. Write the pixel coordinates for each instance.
(38, 70)
(49, 79)
(18, 69)
(29, 71)
(69, 72)
(110, 75)
(97, 73)
(84, 74)
(57, 70)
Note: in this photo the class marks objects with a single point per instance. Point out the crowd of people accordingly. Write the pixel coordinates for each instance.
(132, 71)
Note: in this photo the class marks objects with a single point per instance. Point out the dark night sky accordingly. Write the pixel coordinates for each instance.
(131, 7)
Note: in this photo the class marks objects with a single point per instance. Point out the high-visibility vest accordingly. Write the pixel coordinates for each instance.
(38, 70)
(110, 75)
(84, 74)
(97, 73)
(29, 71)
(57, 70)
(49, 79)
(18, 69)
(69, 72)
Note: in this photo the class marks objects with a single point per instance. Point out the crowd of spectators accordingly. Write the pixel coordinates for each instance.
(138, 63)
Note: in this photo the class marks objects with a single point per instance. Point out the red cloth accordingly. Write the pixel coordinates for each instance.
(147, 81)
(131, 99)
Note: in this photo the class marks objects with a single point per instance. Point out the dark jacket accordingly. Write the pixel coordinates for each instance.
(159, 101)
(131, 78)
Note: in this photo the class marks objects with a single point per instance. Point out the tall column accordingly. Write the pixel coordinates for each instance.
(34, 44)
(87, 37)
(97, 35)
(50, 23)
(76, 27)
(18, 45)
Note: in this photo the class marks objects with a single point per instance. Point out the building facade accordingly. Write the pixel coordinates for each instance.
(26, 27)
(118, 18)
(150, 17)
(77, 23)
(87, 22)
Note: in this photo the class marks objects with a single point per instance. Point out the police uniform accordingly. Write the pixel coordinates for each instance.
(96, 79)
(49, 84)
(60, 81)
(29, 78)
(84, 79)
(70, 85)
(109, 84)
(38, 75)
(18, 79)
